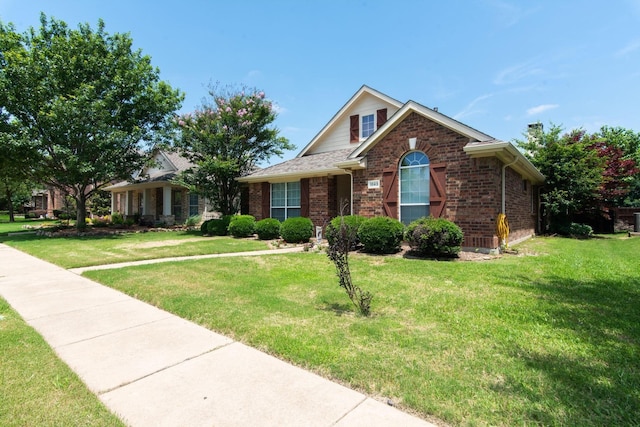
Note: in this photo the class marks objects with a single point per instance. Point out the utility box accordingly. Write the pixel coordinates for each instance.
(636, 222)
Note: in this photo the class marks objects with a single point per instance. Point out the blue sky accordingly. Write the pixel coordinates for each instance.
(495, 65)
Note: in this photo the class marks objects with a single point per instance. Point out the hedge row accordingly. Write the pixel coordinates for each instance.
(428, 236)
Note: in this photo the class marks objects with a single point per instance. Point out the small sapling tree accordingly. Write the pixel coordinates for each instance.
(342, 239)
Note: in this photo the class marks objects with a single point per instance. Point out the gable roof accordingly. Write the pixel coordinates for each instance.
(361, 93)
(172, 163)
(414, 107)
(335, 162)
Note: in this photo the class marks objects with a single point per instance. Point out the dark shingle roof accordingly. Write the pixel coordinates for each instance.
(308, 163)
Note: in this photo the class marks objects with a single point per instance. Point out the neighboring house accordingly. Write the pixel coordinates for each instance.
(46, 201)
(378, 156)
(152, 195)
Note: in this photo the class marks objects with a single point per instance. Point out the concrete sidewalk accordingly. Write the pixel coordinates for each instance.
(155, 369)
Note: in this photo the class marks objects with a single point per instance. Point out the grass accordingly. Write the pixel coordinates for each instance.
(21, 224)
(37, 388)
(74, 251)
(548, 337)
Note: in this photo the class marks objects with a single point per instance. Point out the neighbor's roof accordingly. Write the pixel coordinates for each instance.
(307, 166)
(175, 163)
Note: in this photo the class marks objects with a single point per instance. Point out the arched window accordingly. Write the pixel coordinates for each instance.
(414, 186)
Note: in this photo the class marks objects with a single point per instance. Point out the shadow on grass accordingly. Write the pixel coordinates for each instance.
(112, 234)
(337, 308)
(595, 377)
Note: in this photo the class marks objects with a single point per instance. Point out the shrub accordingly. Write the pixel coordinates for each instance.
(242, 225)
(437, 237)
(204, 227)
(580, 231)
(268, 228)
(352, 222)
(117, 218)
(36, 213)
(192, 221)
(296, 230)
(219, 227)
(381, 235)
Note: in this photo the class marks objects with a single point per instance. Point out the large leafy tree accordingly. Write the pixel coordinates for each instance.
(16, 166)
(87, 101)
(621, 149)
(225, 139)
(573, 173)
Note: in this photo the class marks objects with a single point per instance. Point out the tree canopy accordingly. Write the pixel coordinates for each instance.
(87, 101)
(225, 139)
(583, 173)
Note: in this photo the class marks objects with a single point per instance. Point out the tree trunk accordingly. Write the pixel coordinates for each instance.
(9, 195)
(81, 201)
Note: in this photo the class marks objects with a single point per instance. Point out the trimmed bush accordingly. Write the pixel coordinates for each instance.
(580, 231)
(242, 225)
(296, 230)
(381, 235)
(268, 228)
(204, 227)
(219, 226)
(435, 237)
(352, 222)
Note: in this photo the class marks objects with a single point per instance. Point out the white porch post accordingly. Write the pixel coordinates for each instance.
(126, 203)
(147, 201)
(166, 201)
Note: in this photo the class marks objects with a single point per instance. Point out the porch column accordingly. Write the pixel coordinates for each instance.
(113, 202)
(166, 201)
(147, 202)
(126, 203)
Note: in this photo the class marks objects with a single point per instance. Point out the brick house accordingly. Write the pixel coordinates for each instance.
(378, 156)
(152, 195)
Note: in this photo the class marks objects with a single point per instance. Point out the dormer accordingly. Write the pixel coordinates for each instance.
(358, 119)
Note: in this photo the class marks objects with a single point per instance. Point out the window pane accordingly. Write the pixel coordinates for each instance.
(278, 194)
(367, 125)
(293, 194)
(293, 212)
(278, 213)
(411, 213)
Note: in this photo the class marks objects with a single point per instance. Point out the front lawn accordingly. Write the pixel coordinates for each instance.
(21, 224)
(550, 336)
(73, 251)
(37, 388)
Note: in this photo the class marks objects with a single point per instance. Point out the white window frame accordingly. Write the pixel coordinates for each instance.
(287, 207)
(373, 125)
(197, 204)
(400, 169)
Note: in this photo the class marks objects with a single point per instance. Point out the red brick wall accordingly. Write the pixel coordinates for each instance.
(255, 200)
(473, 186)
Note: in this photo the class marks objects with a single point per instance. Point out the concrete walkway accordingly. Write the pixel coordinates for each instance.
(152, 368)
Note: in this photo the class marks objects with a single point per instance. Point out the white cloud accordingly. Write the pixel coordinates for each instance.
(508, 14)
(518, 72)
(470, 108)
(629, 48)
(540, 109)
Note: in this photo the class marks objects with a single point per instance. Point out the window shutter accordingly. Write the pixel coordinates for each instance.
(437, 189)
(266, 200)
(381, 117)
(304, 197)
(354, 128)
(390, 192)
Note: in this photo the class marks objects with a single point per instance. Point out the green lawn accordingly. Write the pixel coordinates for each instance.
(550, 336)
(37, 388)
(71, 252)
(20, 224)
